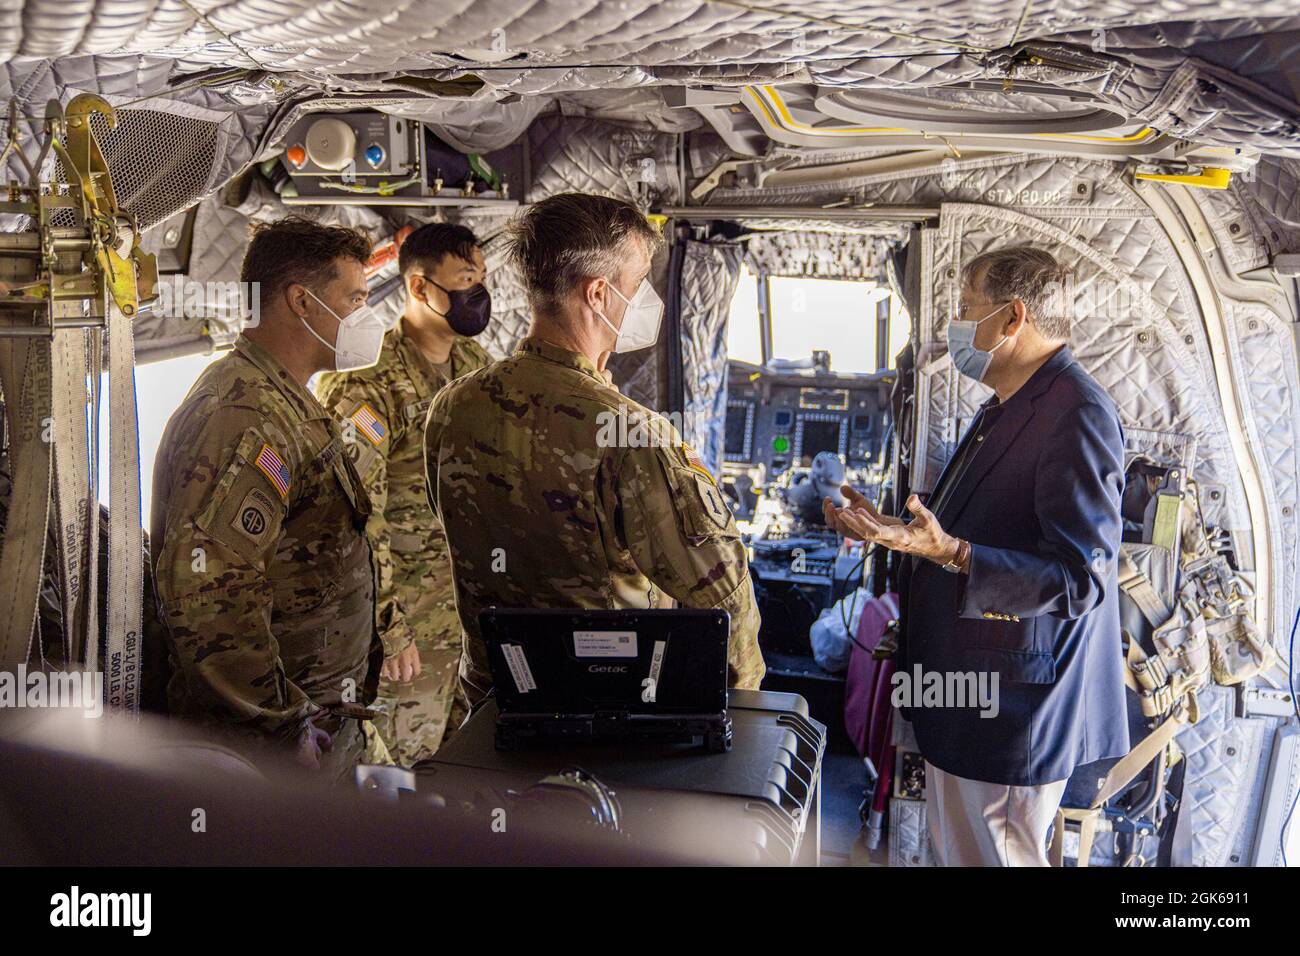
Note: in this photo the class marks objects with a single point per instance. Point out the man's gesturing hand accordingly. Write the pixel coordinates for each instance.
(857, 503)
(922, 536)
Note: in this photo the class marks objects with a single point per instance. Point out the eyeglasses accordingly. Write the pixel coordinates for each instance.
(963, 309)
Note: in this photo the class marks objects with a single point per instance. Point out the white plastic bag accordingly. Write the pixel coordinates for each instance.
(832, 644)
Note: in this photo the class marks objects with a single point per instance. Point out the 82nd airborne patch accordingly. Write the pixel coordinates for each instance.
(255, 517)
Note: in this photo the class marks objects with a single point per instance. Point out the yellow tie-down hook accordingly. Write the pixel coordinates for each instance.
(130, 273)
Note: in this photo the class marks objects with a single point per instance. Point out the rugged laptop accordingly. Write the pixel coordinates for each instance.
(656, 675)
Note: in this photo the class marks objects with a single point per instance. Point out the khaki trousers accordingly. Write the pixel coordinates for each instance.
(973, 823)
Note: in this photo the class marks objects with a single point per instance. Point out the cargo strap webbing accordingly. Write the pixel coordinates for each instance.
(1142, 674)
(1140, 589)
(26, 377)
(91, 650)
(72, 469)
(1131, 764)
(125, 538)
(1149, 677)
(1120, 775)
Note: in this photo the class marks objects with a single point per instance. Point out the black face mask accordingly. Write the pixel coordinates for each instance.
(470, 309)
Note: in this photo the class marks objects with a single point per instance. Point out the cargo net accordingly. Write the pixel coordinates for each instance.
(160, 162)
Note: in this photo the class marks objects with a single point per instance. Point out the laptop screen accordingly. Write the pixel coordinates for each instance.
(632, 661)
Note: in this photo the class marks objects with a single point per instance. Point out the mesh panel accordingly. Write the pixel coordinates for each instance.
(160, 162)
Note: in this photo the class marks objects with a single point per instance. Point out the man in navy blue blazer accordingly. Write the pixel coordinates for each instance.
(1010, 581)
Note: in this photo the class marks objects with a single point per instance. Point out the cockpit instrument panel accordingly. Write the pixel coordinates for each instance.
(784, 419)
(830, 398)
(739, 439)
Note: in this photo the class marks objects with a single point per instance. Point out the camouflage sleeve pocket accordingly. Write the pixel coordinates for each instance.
(355, 487)
(700, 505)
(246, 508)
(366, 459)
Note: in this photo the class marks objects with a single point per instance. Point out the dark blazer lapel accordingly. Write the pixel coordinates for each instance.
(956, 453)
(1014, 419)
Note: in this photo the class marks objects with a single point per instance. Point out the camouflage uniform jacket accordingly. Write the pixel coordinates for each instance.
(263, 572)
(557, 491)
(382, 409)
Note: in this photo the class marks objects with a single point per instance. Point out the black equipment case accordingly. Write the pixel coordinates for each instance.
(759, 803)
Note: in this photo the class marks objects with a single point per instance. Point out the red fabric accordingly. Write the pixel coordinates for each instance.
(867, 687)
(868, 715)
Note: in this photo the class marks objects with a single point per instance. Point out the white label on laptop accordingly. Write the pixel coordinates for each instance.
(604, 643)
(651, 684)
(519, 669)
(657, 660)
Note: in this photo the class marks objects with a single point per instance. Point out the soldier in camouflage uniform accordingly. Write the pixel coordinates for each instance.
(263, 572)
(556, 491)
(383, 409)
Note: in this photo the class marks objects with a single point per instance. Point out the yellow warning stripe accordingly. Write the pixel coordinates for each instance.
(787, 120)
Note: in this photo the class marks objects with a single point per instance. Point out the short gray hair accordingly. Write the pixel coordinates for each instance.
(570, 237)
(1031, 275)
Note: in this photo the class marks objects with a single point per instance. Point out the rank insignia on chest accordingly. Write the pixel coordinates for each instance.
(416, 410)
(326, 457)
(369, 424)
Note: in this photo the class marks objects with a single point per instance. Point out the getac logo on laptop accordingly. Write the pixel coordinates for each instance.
(607, 669)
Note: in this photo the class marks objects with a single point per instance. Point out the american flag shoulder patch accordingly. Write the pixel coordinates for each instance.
(271, 465)
(695, 462)
(369, 424)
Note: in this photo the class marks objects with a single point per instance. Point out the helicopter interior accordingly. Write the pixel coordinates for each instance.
(820, 172)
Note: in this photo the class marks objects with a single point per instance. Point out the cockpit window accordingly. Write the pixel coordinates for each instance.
(744, 334)
(841, 317)
(830, 315)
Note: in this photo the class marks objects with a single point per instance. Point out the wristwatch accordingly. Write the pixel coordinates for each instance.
(959, 559)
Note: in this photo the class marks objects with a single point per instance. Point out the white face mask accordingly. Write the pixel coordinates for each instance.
(641, 318)
(359, 339)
